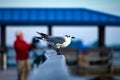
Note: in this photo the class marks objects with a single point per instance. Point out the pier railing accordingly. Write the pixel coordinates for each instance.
(92, 60)
(95, 61)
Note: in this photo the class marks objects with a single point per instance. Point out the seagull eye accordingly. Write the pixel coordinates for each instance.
(66, 35)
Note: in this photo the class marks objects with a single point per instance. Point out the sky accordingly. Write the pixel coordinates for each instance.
(107, 6)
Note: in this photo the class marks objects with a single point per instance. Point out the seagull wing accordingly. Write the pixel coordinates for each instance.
(56, 40)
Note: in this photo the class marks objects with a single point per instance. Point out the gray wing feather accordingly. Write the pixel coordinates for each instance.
(56, 40)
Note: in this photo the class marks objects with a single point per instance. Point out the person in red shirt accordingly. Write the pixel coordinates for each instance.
(22, 56)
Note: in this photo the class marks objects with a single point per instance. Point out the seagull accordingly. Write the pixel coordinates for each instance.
(56, 41)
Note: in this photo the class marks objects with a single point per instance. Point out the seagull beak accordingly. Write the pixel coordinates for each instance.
(73, 37)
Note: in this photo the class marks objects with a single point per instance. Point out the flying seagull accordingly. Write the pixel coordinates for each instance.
(56, 41)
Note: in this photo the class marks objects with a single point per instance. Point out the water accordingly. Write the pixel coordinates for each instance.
(117, 56)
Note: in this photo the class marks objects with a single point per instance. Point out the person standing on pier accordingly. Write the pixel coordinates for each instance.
(22, 56)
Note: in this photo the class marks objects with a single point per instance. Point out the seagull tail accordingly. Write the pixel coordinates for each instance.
(43, 35)
(38, 37)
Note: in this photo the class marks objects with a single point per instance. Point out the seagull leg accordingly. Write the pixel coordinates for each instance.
(58, 51)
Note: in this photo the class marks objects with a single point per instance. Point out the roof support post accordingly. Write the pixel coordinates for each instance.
(101, 35)
(103, 51)
(3, 55)
(50, 30)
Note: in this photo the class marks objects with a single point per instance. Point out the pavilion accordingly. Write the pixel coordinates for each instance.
(56, 16)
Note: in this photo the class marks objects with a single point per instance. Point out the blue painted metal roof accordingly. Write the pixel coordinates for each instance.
(56, 16)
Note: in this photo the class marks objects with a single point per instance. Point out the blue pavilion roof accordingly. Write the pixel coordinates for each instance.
(56, 16)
